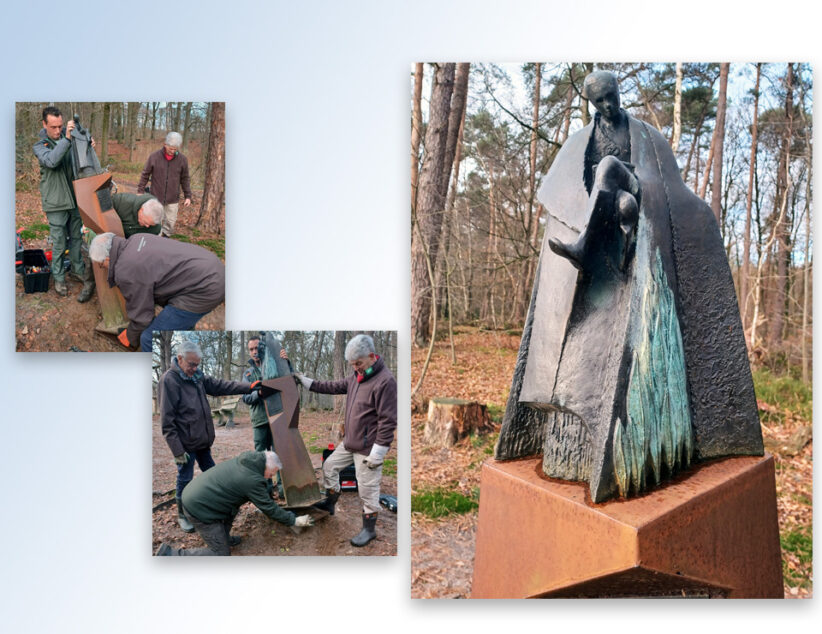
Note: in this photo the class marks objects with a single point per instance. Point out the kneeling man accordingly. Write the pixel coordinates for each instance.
(212, 500)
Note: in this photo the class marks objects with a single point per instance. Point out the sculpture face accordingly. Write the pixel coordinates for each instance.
(605, 97)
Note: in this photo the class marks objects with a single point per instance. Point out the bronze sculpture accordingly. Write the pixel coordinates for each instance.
(633, 361)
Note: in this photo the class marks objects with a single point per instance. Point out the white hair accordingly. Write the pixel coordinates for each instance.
(100, 247)
(272, 461)
(154, 210)
(174, 139)
(359, 347)
(189, 347)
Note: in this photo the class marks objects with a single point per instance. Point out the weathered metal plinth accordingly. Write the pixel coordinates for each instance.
(299, 483)
(89, 192)
(711, 533)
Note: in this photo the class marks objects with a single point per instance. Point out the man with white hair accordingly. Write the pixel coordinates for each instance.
(213, 499)
(138, 214)
(370, 421)
(167, 169)
(185, 414)
(186, 279)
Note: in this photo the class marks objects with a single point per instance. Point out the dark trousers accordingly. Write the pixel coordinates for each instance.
(170, 318)
(214, 534)
(185, 472)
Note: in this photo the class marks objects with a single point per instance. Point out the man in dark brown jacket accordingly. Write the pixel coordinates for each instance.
(185, 415)
(168, 170)
(187, 280)
(370, 421)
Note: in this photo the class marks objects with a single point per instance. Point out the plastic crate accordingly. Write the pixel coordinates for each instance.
(35, 282)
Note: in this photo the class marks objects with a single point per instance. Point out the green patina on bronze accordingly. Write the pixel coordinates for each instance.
(657, 438)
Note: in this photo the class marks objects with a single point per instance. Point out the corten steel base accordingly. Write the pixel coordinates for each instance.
(112, 304)
(299, 483)
(711, 533)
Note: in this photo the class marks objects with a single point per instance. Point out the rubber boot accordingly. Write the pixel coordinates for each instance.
(329, 502)
(60, 288)
(368, 532)
(185, 525)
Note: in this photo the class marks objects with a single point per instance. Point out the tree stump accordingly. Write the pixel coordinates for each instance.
(451, 419)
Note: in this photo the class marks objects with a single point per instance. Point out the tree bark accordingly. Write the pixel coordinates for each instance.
(416, 131)
(340, 341)
(719, 132)
(214, 188)
(677, 108)
(186, 127)
(430, 202)
(746, 244)
(104, 140)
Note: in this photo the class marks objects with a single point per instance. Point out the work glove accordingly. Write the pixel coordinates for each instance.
(304, 380)
(376, 456)
(123, 338)
(304, 520)
(183, 458)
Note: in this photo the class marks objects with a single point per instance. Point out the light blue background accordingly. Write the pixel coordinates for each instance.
(318, 97)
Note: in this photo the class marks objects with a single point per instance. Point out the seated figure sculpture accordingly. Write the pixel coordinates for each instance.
(633, 362)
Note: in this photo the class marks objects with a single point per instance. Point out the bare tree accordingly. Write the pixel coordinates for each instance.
(214, 189)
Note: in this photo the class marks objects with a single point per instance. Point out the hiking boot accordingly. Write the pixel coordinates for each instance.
(86, 292)
(163, 551)
(60, 288)
(234, 540)
(368, 532)
(182, 520)
(328, 503)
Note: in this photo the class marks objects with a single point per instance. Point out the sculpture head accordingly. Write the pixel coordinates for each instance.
(52, 122)
(602, 90)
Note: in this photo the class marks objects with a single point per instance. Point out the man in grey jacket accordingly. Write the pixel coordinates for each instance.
(370, 421)
(57, 194)
(185, 415)
(187, 280)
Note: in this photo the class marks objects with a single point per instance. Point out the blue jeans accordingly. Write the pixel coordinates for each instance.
(185, 472)
(170, 318)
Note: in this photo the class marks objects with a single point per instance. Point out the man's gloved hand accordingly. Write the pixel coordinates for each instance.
(123, 338)
(376, 456)
(182, 458)
(304, 520)
(304, 380)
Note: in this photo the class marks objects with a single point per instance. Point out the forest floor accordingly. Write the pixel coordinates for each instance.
(48, 322)
(262, 536)
(445, 483)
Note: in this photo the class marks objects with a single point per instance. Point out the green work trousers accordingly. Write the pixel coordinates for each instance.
(264, 441)
(63, 224)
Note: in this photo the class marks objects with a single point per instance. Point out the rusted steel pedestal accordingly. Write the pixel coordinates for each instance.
(711, 533)
(88, 192)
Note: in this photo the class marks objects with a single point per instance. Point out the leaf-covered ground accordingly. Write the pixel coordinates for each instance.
(442, 548)
(260, 535)
(48, 322)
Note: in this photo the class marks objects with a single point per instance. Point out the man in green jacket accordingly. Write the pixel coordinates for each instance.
(263, 440)
(212, 500)
(138, 213)
(57, 194)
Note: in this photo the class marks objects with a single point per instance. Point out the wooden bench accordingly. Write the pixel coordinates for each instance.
(225, 412)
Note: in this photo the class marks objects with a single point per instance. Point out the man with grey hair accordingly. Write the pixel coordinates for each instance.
(368, 430)
(186, 279)
(185, 414)
(167, 169)
(213, 499)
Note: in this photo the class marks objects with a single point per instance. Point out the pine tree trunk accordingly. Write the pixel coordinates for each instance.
(416, 131)
(340, 366)
(214, 188)
(716, 188)
(104, 141)
(746, 245)
(677, 108)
